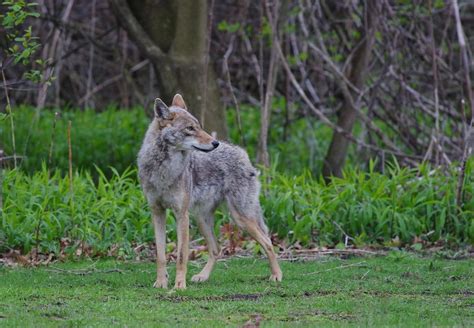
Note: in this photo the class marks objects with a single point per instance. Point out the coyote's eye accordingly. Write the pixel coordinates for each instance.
(190, 128)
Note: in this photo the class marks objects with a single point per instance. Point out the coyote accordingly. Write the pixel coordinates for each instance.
(183, 168)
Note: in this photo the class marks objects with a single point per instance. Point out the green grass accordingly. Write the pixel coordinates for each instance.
(397, 290)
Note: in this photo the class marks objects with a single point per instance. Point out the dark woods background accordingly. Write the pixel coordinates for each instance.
(392, 78)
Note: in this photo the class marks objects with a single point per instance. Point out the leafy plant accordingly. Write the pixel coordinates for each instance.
(20, 44)
(107, 139)
(412, 206)
(113, 137)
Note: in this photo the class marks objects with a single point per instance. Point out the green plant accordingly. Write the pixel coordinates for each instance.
(109, 212)
(113, 137)
(372, 208)
(19, 44)
(412, 206)
(106, 139)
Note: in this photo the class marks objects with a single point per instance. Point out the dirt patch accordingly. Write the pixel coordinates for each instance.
(53, 316)
(241, 297)
(300, 316)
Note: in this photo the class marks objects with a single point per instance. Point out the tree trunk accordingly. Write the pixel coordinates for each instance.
(337, 152)
(172, 35)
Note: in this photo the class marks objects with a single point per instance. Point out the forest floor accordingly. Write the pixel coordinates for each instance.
(401, 290)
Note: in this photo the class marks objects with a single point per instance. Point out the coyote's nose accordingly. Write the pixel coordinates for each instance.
(215, 143)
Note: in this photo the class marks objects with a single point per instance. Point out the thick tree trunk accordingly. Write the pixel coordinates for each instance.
(172, 34)
(337, 152)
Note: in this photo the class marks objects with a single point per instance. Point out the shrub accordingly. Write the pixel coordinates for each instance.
(372, 208)
(402, 207)
(109, 138)
(113, 138)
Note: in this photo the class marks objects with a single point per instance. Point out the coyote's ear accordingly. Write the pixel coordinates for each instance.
(178, 101)
(161, 110)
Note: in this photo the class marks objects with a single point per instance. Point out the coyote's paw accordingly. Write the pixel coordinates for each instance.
(180, 284)
(276, 276)
(199, 277)
(161, 283)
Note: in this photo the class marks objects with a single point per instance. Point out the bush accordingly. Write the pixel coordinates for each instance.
(372, 208)
(402, 207)
(113, 138)
(109, 138)
(111, 211)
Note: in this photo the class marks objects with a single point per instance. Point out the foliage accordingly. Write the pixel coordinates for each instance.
(400, 208)
(111, 211)
(19, 42)
(378, 291)
(109, 138)
(113, 138)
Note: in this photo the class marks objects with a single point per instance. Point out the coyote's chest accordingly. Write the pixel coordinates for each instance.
(165, 179)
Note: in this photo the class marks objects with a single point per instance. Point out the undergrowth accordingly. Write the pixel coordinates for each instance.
(108, 138)
(402, 207)
(113, 138)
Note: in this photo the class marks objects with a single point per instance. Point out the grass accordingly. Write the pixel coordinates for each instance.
(400, 290)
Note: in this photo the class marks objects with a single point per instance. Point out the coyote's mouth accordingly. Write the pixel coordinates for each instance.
(204, 150)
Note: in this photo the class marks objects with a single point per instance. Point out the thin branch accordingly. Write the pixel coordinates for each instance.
(229, 85)
(110, 81)
(136, 31)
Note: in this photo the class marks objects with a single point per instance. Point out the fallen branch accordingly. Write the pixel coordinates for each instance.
(338, 251)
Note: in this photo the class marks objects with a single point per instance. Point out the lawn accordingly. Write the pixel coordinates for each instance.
(400, 289)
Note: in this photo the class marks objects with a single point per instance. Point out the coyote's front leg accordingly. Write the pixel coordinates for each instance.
(182, 219)
(159, 223)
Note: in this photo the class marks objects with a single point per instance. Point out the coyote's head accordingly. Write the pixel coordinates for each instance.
(180, 129)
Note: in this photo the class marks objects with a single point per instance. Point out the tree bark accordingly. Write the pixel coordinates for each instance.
(172, 35)
(337, 152)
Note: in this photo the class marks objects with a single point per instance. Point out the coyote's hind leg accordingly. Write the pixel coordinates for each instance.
(205, 223)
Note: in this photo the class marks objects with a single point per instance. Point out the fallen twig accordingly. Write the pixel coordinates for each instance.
(338, 251)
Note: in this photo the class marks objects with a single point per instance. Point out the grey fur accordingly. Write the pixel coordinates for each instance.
(174, 176)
